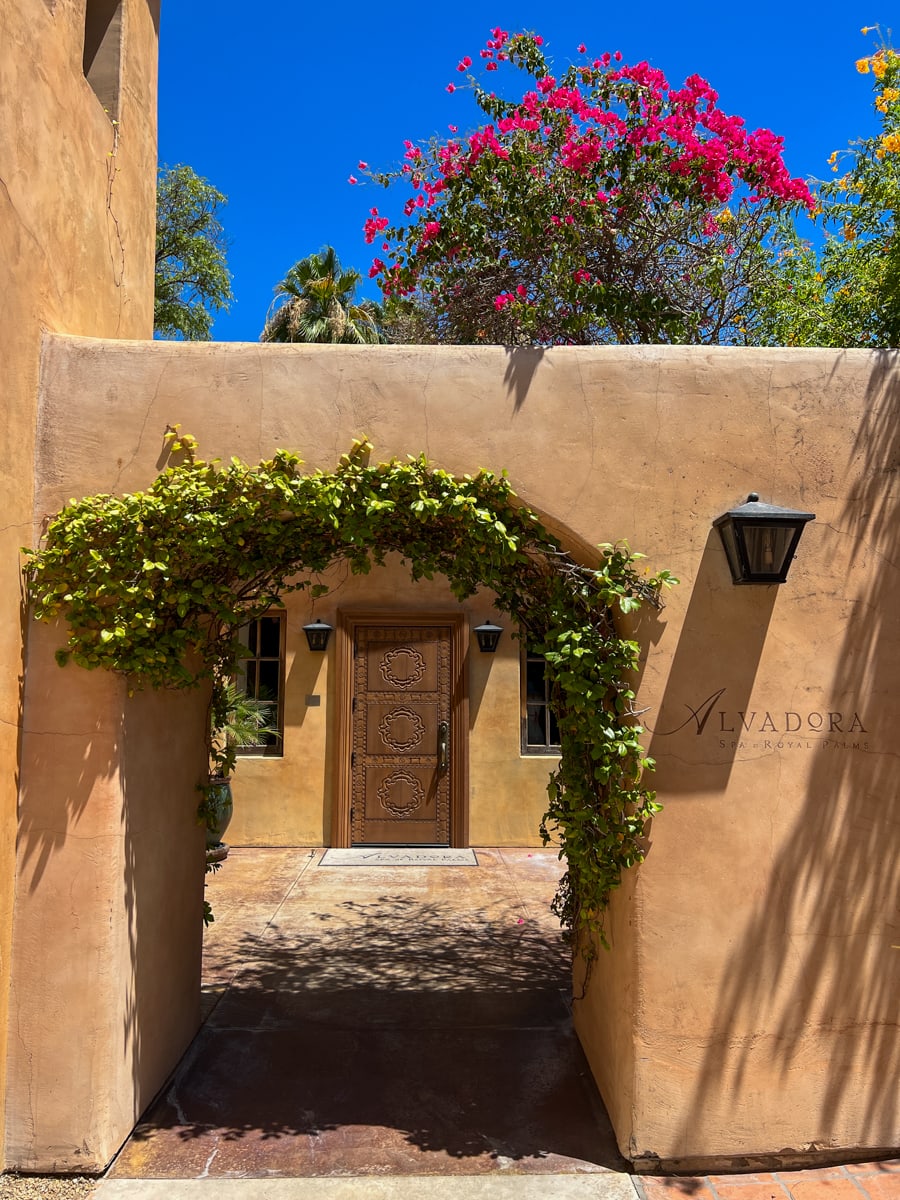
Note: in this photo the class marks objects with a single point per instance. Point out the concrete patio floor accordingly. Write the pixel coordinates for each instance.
(400, 1031)
(370, 1021)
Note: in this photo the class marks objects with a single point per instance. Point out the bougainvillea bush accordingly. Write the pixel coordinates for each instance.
(601, 205)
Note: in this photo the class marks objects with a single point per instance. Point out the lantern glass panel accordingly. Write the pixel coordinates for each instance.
(767, 547)
(726, 529)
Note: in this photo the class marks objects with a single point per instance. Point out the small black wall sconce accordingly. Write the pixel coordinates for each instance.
(317, 634)
(760, 540)
(488, 636)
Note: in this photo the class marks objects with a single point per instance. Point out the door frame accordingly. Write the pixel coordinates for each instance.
(348, 621)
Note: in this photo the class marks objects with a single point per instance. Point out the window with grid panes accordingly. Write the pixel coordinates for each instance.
(540, 731)
(261, 675)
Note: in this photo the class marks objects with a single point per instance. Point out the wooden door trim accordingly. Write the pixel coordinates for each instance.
(348, 622)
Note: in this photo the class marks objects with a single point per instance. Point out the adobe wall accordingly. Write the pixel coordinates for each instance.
(76, 227)
(287, 801)
(748, 1005)
(108, 924)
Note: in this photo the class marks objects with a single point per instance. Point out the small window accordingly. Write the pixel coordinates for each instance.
(540, 731)
(102, 59)
(261, 675)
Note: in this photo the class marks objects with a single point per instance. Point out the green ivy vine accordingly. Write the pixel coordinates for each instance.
(155, 585)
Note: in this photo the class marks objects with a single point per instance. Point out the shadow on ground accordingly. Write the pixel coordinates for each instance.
(412, 1029)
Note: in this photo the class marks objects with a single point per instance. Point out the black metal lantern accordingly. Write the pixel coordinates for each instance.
(488, 636)
(317, 634)
(760, 540)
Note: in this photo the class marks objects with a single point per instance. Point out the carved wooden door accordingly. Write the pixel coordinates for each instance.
(400, 768)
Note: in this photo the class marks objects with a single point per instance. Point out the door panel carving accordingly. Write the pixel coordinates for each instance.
(400, 790)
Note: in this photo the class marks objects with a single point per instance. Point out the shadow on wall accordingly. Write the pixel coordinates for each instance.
(163, 758)
(69, 746)
(712, 674)
(521, 368)
(829, 904)
(107, 930)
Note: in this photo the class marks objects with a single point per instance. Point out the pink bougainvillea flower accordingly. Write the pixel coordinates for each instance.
(595, 145)
(352, 179)
(363, 166)
(374, 225)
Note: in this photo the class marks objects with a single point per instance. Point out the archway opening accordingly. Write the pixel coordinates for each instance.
(155, 587)
(219, 545)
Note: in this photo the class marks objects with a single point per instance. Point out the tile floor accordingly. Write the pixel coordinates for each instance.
(402, 1021)
(370, 1020)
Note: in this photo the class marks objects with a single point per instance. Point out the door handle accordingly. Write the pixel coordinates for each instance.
(443, 745)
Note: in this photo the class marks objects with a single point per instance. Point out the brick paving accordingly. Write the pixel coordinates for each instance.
(856, 1181)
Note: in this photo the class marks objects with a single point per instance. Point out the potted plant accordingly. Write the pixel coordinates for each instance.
(236, 721)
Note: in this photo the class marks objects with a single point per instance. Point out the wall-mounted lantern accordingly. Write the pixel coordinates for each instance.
(760, 540)
(317, 634)
(488, 636)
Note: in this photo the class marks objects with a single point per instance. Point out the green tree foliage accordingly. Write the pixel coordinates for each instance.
(847, 291)
(601, 206)
(192, 278)
(315, 302)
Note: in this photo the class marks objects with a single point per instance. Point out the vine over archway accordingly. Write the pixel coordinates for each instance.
(156, 584)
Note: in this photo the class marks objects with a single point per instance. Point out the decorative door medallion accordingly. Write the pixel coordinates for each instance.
(400, 724)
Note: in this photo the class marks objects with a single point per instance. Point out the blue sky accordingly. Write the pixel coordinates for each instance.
(276, 112)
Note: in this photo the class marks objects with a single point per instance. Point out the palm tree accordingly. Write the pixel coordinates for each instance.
(314, 303)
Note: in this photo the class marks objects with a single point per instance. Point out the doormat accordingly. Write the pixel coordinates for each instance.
(399, 856)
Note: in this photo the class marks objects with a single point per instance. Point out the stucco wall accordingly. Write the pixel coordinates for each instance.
(76, 229)
(108, 930)
(287, 801)
(749, 1003)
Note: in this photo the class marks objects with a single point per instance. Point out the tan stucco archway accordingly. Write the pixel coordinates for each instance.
(748, 1004)
(768, 853)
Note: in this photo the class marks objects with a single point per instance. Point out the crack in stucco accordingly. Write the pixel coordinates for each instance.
(262, 400)
(21, 220)
(29, 1119)
(866, 544)
(167, 363)
(575, 506)
(426, 449)
(111, 172)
